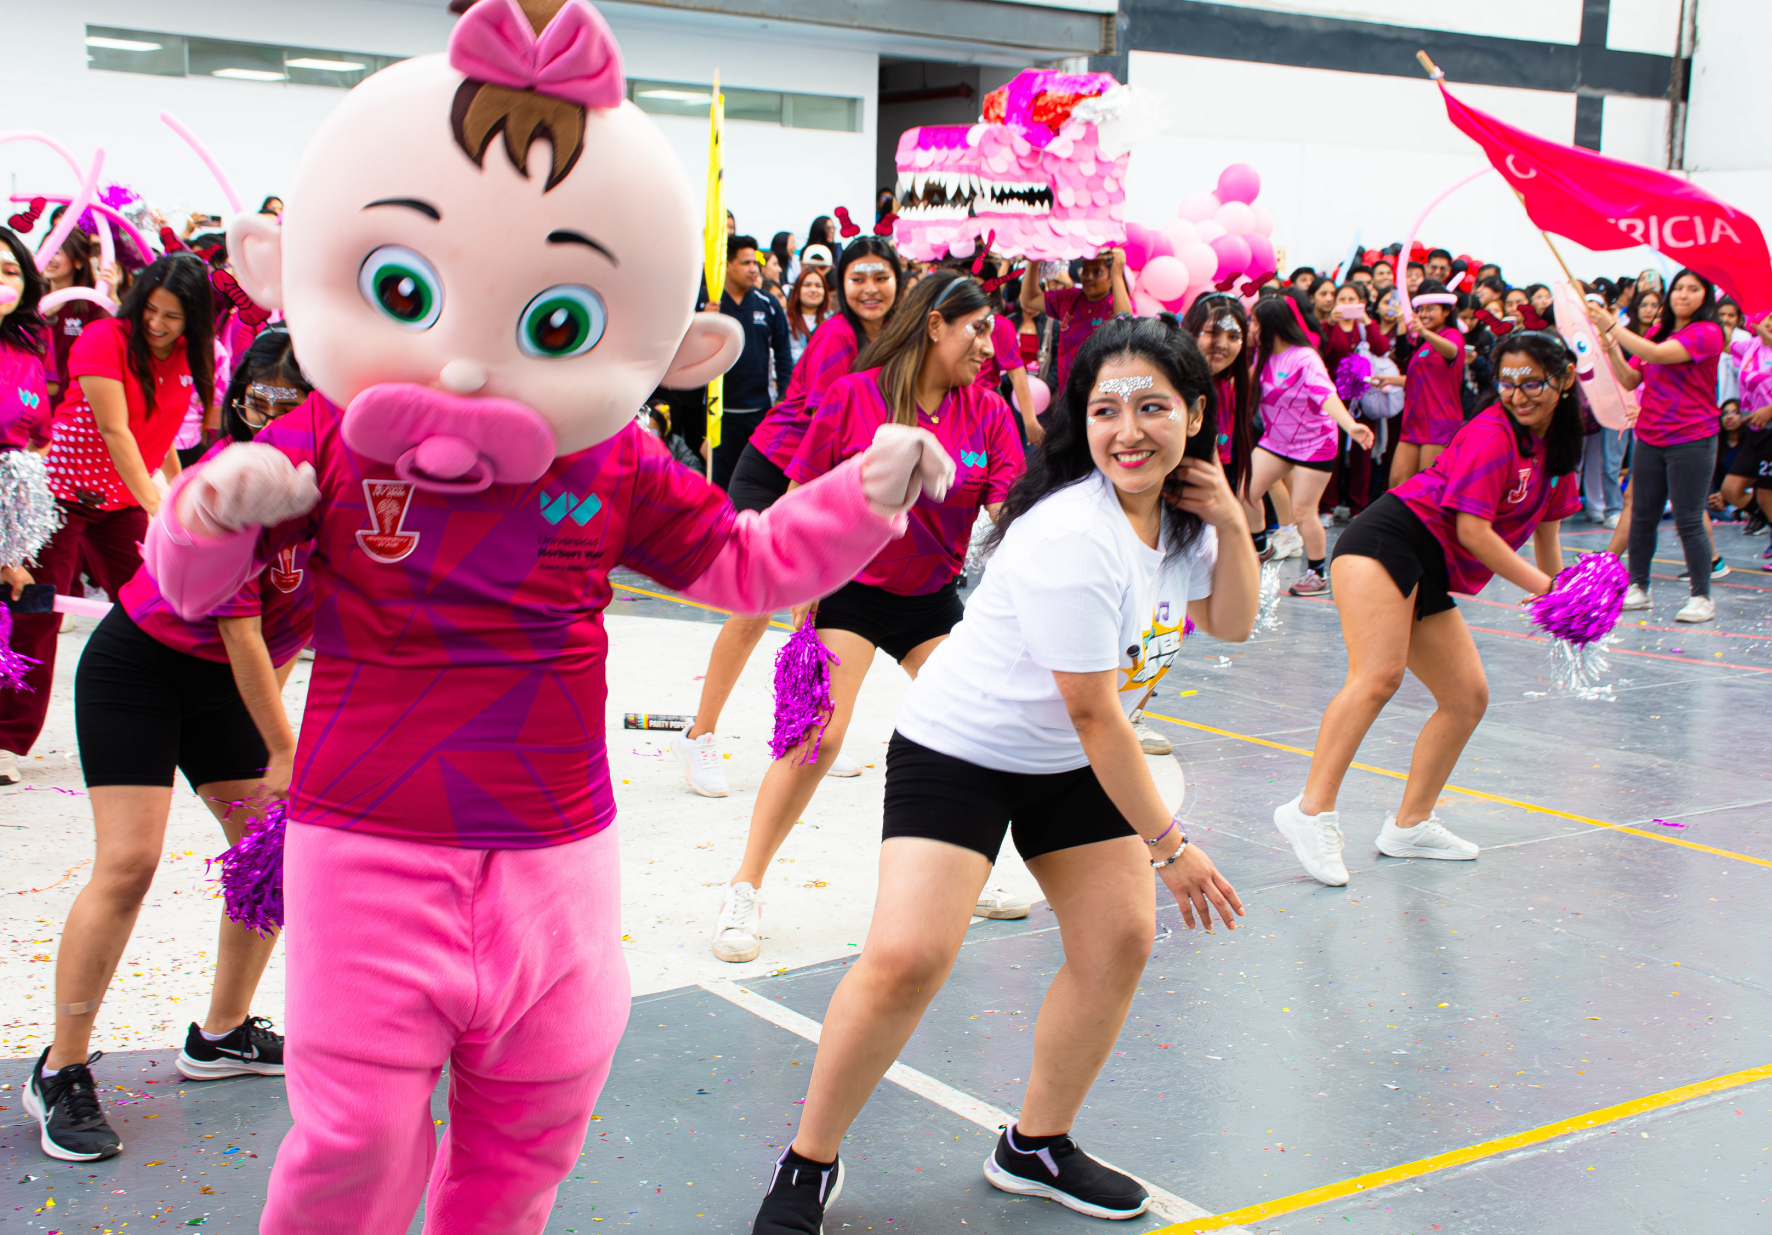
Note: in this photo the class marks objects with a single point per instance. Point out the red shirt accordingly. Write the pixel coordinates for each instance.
(1433, 393)
(1679, 401)
(1077, 318)
(1006, 355)
(80, 468)
(830, 353)
(1483, 473)
(65, 326)
(978, 430)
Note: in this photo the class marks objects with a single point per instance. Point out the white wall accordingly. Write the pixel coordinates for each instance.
(1549, 21)
(776, 178)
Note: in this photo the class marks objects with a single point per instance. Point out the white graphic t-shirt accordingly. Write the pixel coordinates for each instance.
(1071, 589)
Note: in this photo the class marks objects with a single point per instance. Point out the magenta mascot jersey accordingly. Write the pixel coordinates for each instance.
(457, 697)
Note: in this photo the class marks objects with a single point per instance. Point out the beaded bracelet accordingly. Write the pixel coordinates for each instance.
(1170, 860)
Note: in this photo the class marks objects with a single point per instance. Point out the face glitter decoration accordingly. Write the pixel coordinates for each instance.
(1125, 385)
(1515, 372)
(869, 268)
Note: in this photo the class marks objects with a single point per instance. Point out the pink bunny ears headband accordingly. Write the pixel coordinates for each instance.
(573, 58)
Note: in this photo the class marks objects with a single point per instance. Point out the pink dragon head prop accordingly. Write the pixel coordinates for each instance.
(489, 257)
(1036, 171)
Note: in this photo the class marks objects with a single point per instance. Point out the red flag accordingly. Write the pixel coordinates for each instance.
(1607, 203)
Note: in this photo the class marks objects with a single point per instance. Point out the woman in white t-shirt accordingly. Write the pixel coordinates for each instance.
(1122, 528)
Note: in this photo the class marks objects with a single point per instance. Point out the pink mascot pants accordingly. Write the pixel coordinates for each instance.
(502, 965)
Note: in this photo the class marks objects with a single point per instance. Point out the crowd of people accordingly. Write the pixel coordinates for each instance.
(1437, 415)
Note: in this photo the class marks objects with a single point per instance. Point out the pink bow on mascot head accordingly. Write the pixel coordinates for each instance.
(477, 316)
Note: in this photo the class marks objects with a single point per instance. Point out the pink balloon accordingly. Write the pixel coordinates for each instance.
(1239, 183)
(1039, 393)
(1236, 218)
(1264, 220)
(1146, 305)
(1261, 253)
(1165, 278)
(1201, 262)
(1161, 246)
(1179, 232)
(1177, 306)
(1233, 256)
(1138, 246)
(1210, 230)
(1198, 205)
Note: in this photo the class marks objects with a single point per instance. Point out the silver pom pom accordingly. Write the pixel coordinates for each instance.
(1267, 613)
(28, 513)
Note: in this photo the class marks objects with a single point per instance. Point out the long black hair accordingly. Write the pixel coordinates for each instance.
(22, 327)
(1563, 440)
(866, 246)
(1278, 325)
(271, 358)
(185, 276)
(1062, 457)
(1237, 420)
(904, 341)
(1666, 323)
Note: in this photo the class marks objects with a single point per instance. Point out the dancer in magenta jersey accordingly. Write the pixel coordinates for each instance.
(921, 371)
(1673, 366)
(155, 695)
(867, 287)
(1433, 386)
(1752, 465)
(1511, 475)
(469, 471)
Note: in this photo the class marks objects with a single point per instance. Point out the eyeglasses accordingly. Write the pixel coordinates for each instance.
(1533, 386)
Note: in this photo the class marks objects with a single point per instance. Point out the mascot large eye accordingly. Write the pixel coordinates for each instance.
(563, 321)
(403, 286)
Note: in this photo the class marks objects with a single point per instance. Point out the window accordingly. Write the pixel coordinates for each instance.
(795, 111)
(176, 55)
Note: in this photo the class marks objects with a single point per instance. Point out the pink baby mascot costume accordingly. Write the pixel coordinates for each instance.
(487, 263)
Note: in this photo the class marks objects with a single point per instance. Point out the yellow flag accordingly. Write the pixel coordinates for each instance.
(714, 238)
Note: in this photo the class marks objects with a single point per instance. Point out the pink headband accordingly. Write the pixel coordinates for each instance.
(575, 58)
(1447, 298)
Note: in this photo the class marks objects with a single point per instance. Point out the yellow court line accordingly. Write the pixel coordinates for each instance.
(1478, 793)
(1471, 1153)
(693, 604)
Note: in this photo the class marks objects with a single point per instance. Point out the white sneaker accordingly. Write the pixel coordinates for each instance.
(1287, 543)
(1697, 609)
(740, 926)
(1149, 740)
(1636, 597)
(1316, 839)
(700, 758)
(843, 765)
(9, 773)
(997, 903)
(1427, 839)
(1611, 520)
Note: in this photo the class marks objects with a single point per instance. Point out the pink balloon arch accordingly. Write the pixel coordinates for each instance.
(1218, 240)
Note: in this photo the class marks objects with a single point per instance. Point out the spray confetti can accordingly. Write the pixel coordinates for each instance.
(655, 720)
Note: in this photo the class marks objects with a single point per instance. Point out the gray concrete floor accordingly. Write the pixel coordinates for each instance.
(1423, 1008)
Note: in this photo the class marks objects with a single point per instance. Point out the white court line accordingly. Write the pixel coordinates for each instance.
(1164, 1204)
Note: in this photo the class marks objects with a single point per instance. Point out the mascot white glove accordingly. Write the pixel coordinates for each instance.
(246, 485)
(902, 464)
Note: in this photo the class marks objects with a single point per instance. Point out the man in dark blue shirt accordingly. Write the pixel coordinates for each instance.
(746, 393)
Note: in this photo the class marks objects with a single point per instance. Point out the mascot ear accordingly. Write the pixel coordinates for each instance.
(255, 250)
(711, 346)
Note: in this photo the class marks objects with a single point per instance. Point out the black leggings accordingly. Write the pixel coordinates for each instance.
(1680, 473)
(143, 711)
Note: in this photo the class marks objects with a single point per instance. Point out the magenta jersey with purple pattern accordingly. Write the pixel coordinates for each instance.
(830, 353)
(974, 425)
(25, 414)
(1295, 393)
(1433, 393)
(1679, 401)
(458, 691)
(281, 598)
(1483, 473)
(1005, 355)
(1754, 360)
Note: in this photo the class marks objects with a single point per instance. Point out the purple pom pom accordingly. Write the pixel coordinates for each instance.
(802, 692)
(13, 665)
(252, 873)
(1350, 377)
(1187, 626)
(1584, 604)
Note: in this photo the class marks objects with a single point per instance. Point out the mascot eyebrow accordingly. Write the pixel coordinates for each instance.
(411, 203)
(564, 236)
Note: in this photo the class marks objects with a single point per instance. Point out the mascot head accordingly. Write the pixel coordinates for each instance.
(489, 257)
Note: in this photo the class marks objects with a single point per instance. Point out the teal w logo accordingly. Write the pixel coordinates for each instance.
(554, 509)
(968, 459)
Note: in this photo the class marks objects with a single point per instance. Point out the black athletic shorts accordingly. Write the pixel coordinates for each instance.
(1393, 535)
(895, 624)
(756, 482)
(1753, 455)
(939, 797)
(143, 710)
(1313, 465)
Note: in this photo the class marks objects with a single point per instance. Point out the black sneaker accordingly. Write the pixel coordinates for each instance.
(251, 1050)
(1756, 522)
(1061, 1172)
(798, 1196)
(67, 1110)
